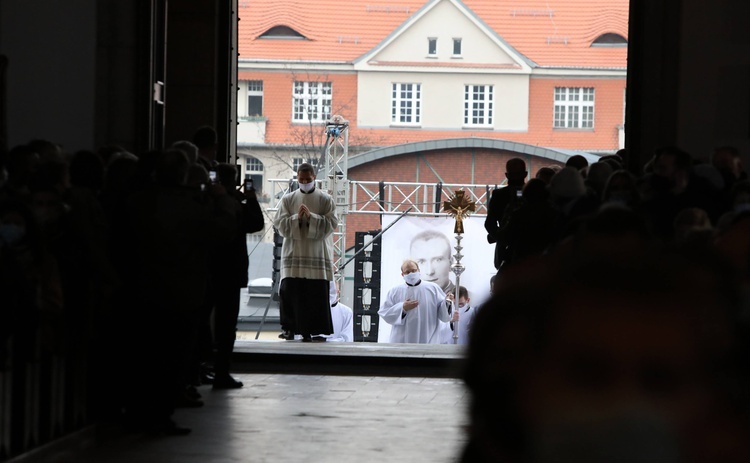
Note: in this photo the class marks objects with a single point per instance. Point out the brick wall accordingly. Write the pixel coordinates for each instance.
(277, 103)
(608, 116)
(453, 166)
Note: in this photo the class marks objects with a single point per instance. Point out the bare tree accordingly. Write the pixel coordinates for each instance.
(309, 138)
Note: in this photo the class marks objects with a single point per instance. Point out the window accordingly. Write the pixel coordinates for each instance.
(312, 101)
(406, 103)
(478, 105)
(296, 162)
(431, 47)
(253, 164)
(610, 39)
(456, 47)
(255, 98)
(574, 108)
(282, 32)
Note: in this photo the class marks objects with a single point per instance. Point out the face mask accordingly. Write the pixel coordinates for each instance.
(11, 234)
(307, 187)
(412, 278)
(461, 306)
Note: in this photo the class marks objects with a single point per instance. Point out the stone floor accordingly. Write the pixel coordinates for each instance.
(307, 418)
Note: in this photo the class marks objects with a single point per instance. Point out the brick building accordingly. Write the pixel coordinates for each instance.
(539, 79)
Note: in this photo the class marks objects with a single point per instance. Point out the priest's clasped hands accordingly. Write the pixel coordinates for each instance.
(304, 212)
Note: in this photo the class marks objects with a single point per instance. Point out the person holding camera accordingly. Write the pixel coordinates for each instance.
(229, 266)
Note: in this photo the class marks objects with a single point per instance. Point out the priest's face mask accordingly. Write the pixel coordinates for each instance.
(306, 181)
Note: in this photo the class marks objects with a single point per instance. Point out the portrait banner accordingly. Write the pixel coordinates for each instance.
(430, 241)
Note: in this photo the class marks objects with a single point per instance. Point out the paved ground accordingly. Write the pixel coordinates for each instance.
(302, 418)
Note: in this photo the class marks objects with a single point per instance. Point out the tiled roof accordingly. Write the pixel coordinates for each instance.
(551, 33)
(437, 64)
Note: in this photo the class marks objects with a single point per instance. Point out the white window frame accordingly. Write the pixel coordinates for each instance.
(432, 53)
(573, 108)
(254, 88)
(311, 101)
(253, 164)
(457, 40)
(406, 103)
(479, 105)
(296, 162)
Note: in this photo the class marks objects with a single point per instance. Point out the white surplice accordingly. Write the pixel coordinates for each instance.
(343, 324)
(420, 325)
(465, 324)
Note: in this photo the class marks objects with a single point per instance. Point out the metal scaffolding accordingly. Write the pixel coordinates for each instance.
(335, 180)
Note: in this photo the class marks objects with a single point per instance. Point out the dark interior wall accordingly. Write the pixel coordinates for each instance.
(201, 71)
(81, 72)
(191, 77)
(650, 116)
(123, 92)
(714, 99)
(688, 77)
(51, 51)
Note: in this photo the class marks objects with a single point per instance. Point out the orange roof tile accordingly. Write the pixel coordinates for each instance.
(437, 64)
(551, 33)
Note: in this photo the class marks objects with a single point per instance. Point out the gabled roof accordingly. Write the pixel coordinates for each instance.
(549, 33)
(462, 8)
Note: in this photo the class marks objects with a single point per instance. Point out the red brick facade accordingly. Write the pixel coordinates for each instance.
(467, 166)
(608, 114)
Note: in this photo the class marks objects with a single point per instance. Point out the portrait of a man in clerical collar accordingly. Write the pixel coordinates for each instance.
(431, 249)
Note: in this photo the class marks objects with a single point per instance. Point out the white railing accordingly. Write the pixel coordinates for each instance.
(370, 197)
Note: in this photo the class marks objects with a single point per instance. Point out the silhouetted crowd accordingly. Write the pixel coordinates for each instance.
(114, 264)
(676, 200)
(617, 329)
(618, 325)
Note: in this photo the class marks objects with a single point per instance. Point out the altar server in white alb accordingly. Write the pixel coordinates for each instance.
(342, 317)
(462, 319)
(415, 308)
(306, 218)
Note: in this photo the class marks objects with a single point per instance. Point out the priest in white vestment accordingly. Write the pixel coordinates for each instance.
(306, 219)
(415, 308)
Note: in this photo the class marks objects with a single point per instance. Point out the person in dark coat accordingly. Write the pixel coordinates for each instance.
(170, 229)
(502, 203)
(229, 265)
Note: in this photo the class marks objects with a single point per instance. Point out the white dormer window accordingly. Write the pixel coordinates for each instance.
(456, 47)
(432, 47)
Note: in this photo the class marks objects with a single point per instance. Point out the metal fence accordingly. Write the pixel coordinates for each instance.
(371, 197)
